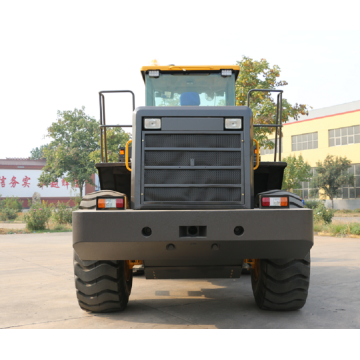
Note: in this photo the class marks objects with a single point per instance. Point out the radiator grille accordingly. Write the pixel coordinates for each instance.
(172, 175)
(198, 158)
(193, 140)
(192, 176)
(193, 194)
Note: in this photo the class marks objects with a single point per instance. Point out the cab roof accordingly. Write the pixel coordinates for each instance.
(190, 68)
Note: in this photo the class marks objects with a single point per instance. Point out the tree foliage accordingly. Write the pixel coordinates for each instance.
(331, 175)
(297, 170)
(260, 75)
(74, 136)
(115, 137)
(38, 153)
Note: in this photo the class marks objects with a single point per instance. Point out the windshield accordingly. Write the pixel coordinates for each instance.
(190, 89)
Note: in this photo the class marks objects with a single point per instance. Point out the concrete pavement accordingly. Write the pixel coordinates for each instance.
(37, 291)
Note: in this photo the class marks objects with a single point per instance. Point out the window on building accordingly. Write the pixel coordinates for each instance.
(264, 151)
(304, 142)
(351, 191)
(344, 136)
(306, 191)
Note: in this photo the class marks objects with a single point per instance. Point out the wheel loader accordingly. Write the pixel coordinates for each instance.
(190, 198)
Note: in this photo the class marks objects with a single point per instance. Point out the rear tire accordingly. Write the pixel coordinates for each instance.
(281, 284)
(102, 286)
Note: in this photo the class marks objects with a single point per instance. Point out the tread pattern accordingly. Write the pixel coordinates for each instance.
(88, 202)
(101, 286)
(282, 284)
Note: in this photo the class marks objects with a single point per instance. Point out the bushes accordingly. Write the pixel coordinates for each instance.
(12, 203)
(8, 214)
(38, 216)
(9, 207)
(322, 214)
(312, 204)
(63, 214)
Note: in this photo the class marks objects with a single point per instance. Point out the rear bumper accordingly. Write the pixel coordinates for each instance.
(117, 235)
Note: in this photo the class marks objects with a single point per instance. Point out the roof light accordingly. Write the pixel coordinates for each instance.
(234, 124)
(154, 73)
(275, 201)
(152, 123)
(226, 72)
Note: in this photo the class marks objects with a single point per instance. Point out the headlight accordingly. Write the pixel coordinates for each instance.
(152, 123)
(234, 124)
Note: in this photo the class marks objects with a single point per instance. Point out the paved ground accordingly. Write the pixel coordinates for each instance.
(37, 291)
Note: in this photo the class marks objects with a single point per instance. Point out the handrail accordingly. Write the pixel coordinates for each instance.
(127, 155)
(257, 154)
(103, 126)
(278, 115)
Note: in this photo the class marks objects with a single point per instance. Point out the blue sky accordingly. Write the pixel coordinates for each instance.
(57, 56)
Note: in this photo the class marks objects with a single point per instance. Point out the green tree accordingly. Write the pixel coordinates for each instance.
(297, 170)
(331, 175)
(260, 75)
(115, 137)
(38, 153)
(74, 136)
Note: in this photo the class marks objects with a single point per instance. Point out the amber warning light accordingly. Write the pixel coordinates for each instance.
(110, 203)
(274, 201)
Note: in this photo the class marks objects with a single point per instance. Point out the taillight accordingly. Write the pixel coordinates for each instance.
(110, 203)
(274, 201)
(284, 201)
(265, 201)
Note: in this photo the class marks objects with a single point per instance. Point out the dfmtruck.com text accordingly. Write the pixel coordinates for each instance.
(258, 344)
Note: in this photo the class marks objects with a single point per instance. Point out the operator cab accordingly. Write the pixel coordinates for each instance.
(190, 85)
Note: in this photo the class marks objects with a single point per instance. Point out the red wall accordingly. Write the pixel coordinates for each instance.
(90, 188)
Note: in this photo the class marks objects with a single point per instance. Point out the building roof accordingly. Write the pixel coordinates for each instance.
(22, 163)
(329, 111)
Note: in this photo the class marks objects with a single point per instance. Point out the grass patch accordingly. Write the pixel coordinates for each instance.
(26, 231)
(318, 227)
(52, 228)
(338, 229)
(347, 213)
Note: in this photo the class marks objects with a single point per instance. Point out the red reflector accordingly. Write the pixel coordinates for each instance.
(119, 203)
(265, 201)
